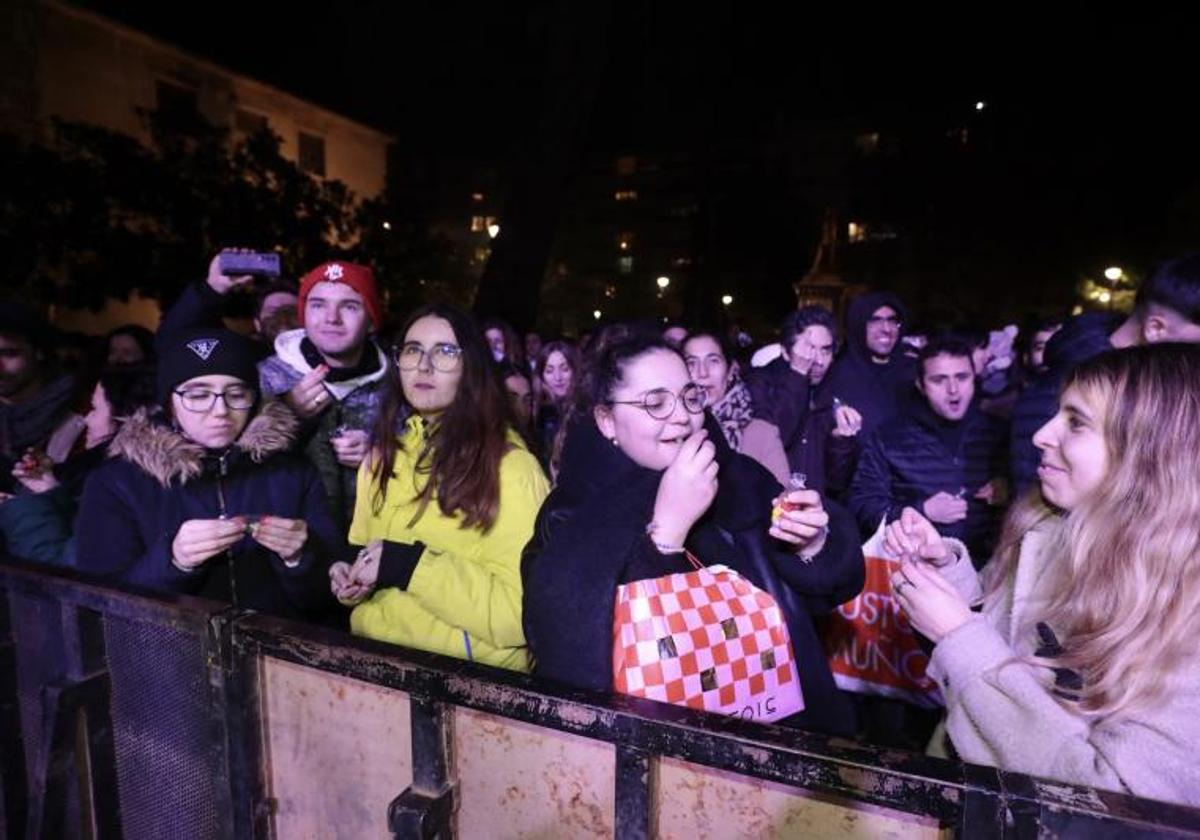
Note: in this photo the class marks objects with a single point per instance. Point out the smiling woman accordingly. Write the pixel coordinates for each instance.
(1082, 665)
(646, 477)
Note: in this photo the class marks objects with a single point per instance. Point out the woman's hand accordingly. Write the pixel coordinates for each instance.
(35, 471)
(286, 537)
(801, 520)
(913, 537)
(199, 540)
(352, 584)
(686, 490)
(932, 605)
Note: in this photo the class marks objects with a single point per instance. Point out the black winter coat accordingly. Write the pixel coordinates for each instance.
(590, 537)
(1081, 338)
(804, 416)
(919, 455)
(134, 504)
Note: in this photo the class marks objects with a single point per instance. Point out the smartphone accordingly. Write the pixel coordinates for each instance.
(264, 264)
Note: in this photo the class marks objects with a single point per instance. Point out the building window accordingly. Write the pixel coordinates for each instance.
(626, 165)
(478, 224)
(625, 265)
(867, 143)
(477, 198)
(625, 240)
(482, 254)
(625, 195)
(175, 99)
(248, 122)
(856, 232)
(312, 154)
(681, 262)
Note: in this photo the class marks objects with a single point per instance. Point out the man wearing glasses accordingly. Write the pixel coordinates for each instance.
(873, 374)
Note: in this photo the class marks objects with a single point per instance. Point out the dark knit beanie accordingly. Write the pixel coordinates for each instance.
(186, 354)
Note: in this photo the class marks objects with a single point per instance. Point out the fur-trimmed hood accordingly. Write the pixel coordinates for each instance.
(149, 443)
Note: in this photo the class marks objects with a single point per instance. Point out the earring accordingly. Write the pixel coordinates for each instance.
(614, 441)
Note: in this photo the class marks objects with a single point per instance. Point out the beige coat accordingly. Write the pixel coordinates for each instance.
(1008, 717)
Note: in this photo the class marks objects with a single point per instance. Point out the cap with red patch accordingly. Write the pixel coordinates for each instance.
(357, 277)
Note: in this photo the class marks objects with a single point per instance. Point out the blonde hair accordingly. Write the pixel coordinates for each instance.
(1124, 595)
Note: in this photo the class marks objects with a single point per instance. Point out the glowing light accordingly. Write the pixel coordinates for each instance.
(727, 299)
(663, 282)
(1114, 273)
(979, 106)
(596, 313)
(1104, 297)
(493, 230)
(387, 225)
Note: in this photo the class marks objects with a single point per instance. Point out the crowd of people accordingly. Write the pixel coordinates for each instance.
(454, 487)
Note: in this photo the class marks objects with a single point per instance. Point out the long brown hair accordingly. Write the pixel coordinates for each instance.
(462, 453)
(1124, 588)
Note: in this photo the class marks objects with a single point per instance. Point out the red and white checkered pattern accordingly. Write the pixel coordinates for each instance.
(707, 639)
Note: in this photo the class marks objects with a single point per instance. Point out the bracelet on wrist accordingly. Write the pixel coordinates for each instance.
(663, 547)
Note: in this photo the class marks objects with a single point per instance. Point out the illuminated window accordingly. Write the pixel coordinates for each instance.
(478, 224)
(856, 232)
(477, 197)
(625, 195)
(626, 165)
(482, 254)
(625, 240)
(681, 262)
(625, 265)
(610, 291)
(312, 153)
(867, 143)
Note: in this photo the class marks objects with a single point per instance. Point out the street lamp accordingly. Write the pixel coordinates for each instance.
(493, 230)
(663, 282)
(1114, 273)
(596, 314)
(979, 106)
(726, 299)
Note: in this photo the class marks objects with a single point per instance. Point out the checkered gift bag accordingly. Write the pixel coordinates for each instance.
(706, 639)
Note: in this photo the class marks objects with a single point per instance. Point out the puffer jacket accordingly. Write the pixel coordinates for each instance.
(134, 504)
(920, 455)
(590, 537)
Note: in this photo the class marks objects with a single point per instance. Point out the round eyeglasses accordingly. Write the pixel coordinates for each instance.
(660, 402)
(200, 400)
(443, 357)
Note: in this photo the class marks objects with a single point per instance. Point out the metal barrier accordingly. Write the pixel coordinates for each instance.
(136, 716)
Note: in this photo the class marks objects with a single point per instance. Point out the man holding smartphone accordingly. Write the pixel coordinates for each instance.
(330, 371)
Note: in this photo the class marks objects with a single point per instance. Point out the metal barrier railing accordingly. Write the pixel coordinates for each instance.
(84, 655)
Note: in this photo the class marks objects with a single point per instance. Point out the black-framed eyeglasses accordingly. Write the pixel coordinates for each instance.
(443, 357)
(199, 400)
(660, 402)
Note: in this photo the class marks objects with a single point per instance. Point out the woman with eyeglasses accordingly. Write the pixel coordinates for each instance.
(200, 496)
(446, 501)
(645, 478)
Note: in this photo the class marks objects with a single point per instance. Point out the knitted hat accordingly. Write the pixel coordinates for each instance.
(357, 277)
(189, 353)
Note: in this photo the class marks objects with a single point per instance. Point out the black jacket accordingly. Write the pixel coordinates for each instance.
(804, 416)
(590, 537)
(134, 504)
(920, 454)
(876, 391)
(1081, 338)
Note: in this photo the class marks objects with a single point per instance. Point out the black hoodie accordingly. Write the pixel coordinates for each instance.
(875, 390)
(590, 537)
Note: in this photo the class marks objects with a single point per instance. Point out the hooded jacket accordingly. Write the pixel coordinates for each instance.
(355, 404)
(157, 479)
(1081, 338)
(875, 390)
(590, 537)
(921, 454)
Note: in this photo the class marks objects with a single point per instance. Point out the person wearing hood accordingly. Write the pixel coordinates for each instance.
(1167, 308)
(329, 371)
(873, 374)
(200, 497)
(646, 476)
(793, 393)
(942, 456)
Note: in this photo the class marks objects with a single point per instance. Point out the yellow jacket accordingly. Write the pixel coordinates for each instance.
(464, 598)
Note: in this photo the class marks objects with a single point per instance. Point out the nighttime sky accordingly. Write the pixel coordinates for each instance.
(1092, 110)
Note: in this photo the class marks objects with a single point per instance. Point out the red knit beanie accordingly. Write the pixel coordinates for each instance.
(357, 277)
